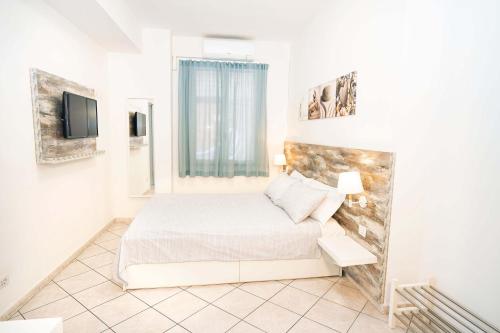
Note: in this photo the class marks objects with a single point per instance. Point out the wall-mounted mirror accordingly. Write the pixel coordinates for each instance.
(141, 177)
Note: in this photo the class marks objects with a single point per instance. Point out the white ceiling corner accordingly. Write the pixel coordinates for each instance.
(111, 23)
(279, 20)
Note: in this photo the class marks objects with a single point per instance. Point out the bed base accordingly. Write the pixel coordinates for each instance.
(217, 272)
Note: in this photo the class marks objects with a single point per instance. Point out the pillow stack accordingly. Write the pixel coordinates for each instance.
(279, 186)
(301, 197)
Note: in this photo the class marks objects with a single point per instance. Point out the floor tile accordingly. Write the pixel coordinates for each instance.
(99, 294)
(111, 244)
(211, 292)
(119, 309)
(154, 295)
(332, 278)
(346, 282)
(294, 300)
(148, 321)
(210, 320)
(315, 286)
(106, 271)
(372, 311)
(346, 296)
(332, 315)
(239, 303)
(272, 318)
(305, 325)
(72, 269)
(80, 282)
(177, 329)
(286, 282)
(91, 251)
(243, 327)
(265, 289)
(50, 293)
(105, 236)
(365, 323)
(99, 260)
(180, 306)
(65, 308)
(85, 322)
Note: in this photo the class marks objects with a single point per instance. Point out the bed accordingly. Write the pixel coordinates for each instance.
(197, 239)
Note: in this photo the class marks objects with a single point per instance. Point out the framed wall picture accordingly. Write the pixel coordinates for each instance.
(345, 100)
(332, 99)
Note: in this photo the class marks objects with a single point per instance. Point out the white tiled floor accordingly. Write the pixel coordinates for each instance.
(89, 301)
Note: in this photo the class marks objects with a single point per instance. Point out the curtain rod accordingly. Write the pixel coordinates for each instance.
(177, 58)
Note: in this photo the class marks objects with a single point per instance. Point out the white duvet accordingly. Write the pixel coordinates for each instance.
(216, 227)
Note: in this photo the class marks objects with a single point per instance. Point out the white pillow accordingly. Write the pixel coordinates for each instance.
(332, 228)
(300, 200)
(330, 205)
(278, 186)
(297, 175)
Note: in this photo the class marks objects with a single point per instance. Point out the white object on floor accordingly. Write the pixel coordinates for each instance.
(346, 252)
(47, 325)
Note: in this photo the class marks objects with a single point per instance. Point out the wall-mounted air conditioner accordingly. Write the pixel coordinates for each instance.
(226, 48)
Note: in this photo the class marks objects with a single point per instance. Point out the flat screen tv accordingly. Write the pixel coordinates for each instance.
(139, 124)
(79, 116)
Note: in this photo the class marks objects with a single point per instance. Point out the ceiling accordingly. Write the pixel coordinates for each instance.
(259, 19)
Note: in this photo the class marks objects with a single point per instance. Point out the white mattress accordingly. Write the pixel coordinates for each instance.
(174, 228)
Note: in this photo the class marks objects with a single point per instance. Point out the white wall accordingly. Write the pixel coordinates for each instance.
(277, 56)
(143, 75)
(427, 77)
(46, 211)
(452, 101)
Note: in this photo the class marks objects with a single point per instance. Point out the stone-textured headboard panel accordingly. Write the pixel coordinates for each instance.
(324, 164)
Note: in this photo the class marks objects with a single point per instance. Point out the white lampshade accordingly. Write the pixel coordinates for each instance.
(350, 183)
(279, 159)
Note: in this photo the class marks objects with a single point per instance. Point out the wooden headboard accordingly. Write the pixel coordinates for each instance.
(324, 164)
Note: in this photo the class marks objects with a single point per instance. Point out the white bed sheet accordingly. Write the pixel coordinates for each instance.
(174, 228)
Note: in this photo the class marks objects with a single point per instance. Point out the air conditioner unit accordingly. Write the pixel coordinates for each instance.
(230, 49)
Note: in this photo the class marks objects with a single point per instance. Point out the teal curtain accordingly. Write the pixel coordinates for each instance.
(222, 119)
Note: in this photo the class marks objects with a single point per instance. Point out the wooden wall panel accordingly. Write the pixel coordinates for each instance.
(324, 164)
(47, 95)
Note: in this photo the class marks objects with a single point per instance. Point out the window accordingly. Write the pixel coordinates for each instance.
(222, 119)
